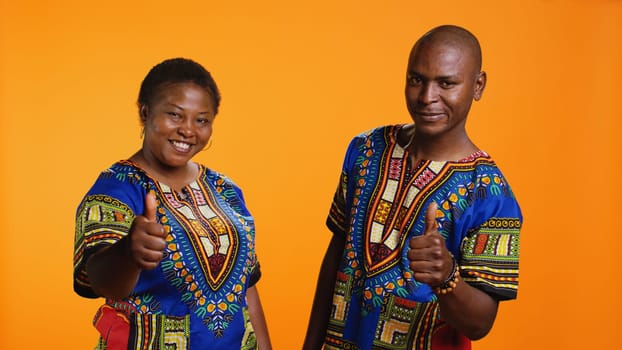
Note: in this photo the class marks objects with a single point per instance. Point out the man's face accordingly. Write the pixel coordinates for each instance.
(441, 82)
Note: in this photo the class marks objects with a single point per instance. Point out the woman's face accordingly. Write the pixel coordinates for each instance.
(178, 124)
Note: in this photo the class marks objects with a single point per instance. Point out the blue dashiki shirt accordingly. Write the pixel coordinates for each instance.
(195, 298)
(379, 205)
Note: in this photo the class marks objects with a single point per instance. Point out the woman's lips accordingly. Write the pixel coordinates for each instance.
(180, 146)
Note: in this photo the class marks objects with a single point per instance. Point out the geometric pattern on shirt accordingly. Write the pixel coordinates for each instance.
(101, 219)
(213, 237)
(217, 308)
(362, 182)
(394, 206)
(159, 332)
(396, 327)
(490, 256)
(338, 315)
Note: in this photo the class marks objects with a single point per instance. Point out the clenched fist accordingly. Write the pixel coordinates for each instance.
(147, 237)
(429, 258)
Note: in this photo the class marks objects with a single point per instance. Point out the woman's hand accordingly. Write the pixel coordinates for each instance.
(113, 271)
(147, 237)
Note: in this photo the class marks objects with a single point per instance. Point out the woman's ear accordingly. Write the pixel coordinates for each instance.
(143, 111)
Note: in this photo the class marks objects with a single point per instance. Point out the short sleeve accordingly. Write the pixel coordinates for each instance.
(490, 257)
(104, 216)
(338, 215)
(101, 221)
(490, 250)
(231, 193)
(255, 274)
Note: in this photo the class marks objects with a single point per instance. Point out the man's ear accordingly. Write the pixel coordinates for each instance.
(480, 85)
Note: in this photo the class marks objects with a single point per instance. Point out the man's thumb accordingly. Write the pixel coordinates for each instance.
(430, 219)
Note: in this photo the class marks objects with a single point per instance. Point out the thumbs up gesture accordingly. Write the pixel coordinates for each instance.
(147, 237)
(429, 258)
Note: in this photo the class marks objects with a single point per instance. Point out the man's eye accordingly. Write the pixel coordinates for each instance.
(446, 84)
(414, 80)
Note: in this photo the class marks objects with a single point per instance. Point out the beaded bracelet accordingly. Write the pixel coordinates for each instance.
(452, 280)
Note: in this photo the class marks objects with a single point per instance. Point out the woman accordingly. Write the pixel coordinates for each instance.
(169, 243)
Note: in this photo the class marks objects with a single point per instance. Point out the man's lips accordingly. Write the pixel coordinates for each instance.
(430, 116)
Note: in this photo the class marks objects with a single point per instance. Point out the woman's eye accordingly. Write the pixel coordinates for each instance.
(203, 121)
(174, 115)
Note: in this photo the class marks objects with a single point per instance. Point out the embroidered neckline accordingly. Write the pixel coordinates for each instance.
(395, 129)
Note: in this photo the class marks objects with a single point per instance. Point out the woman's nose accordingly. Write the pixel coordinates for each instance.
(186, 128)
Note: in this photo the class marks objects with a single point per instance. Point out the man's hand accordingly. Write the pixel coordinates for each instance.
(429, 258)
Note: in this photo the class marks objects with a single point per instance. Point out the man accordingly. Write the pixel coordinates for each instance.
(425, 227)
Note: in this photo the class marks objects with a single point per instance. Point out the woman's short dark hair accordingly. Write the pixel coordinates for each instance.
(177, 70)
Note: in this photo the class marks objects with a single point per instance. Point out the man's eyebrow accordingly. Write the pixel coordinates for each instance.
(446, 77)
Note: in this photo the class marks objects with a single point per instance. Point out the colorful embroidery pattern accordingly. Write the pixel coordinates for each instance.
(396, 324)
(491, 256)
(380, 204)
(102, 220)
(207, 265)
(214, 239)
(159, 332)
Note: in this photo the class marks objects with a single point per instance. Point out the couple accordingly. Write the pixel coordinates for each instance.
(425, 227)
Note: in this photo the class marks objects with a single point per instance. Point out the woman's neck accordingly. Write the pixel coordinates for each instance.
(174, 177)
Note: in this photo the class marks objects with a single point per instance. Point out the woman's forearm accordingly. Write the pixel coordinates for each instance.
(258, 320)
(111, 271)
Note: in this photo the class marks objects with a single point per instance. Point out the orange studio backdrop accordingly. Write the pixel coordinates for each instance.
(298, 80)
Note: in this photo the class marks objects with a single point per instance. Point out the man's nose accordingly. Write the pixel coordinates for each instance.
(428, 93)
